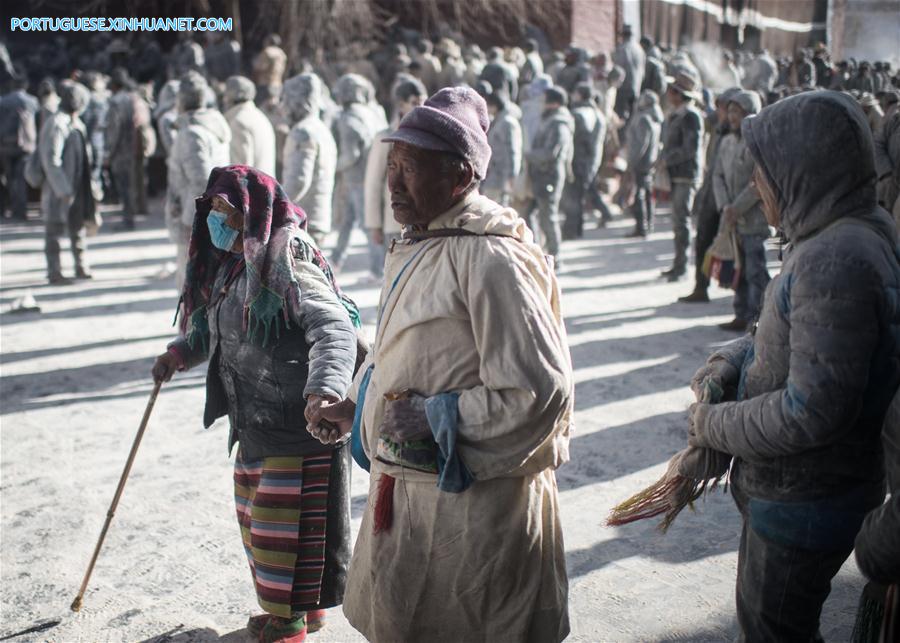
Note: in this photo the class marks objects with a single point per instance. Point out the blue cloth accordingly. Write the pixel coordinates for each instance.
(356, 445)
(443, 418)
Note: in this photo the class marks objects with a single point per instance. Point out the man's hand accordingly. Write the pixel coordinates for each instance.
(164, 367)
(327, 419)
(719, 371)
(404, 418)
(377, 236)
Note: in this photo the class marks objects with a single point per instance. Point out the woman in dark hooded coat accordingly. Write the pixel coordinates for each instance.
(816, 377)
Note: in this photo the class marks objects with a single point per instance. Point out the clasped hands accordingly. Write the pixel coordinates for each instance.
(403, 420)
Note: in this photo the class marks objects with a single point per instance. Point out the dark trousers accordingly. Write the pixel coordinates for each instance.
(122, 180)
(53, 232)
(543, 214)
(753, 279)
(682, 198)
(644, 206)
(13, 167)
(573, 207)
(707, 228)
(782, 582)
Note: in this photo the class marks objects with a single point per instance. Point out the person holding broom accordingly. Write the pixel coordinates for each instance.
(815, 379)
(261, 304)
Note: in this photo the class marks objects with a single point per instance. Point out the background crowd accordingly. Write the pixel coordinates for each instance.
(576, 136)
(576, 139)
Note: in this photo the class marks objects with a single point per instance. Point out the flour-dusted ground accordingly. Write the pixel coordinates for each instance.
(74, 381)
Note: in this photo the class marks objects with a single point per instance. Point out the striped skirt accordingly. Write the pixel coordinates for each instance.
(282, 506)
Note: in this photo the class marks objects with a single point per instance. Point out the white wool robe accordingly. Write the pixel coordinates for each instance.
(479, 316)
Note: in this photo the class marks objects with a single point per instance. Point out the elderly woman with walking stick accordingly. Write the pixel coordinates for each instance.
(261, 304)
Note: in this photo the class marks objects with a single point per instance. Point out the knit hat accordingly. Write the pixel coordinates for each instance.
(748, 101)
(454, 120)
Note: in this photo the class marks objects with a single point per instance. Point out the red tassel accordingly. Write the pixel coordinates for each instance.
(384, 504)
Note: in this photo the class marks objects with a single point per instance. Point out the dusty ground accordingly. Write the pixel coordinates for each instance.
(74, 380)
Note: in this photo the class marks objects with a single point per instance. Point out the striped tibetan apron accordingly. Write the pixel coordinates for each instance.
(282, 504)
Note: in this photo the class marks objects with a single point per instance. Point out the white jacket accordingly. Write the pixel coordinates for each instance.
(201, 144)
(252, 137)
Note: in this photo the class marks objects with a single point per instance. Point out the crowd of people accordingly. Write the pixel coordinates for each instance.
(460, 163)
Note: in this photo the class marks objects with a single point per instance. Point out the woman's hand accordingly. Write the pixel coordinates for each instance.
(164, 367)
(328, 420)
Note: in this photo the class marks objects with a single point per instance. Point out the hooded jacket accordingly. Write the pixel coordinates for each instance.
(310, 153)
(589, 136)
(354, 129)
(642, 137)
(505, 139)
(533, 107)
(819, 373)
(732, 177)
(252, 137)
(550, 157)
(201, 143)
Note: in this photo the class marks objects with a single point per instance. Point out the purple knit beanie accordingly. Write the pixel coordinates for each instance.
(454, 120)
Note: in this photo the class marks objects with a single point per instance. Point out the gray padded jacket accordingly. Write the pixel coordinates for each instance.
(263, 389)
(819, 373)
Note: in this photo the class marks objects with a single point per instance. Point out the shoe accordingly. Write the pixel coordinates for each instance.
(255, 624)
(736, 325)
(315, 620)
(696, 297)
(636, 233)
(672, 271)
(81, 273)
(283, 630)
(58, 280)
(674, 276)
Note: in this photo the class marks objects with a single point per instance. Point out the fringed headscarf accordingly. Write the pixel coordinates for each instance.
(271, 224)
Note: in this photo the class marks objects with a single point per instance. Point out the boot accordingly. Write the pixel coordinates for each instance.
(57, 279)
(284, 630)
(696, 297)
(315, 620)
(735, 325)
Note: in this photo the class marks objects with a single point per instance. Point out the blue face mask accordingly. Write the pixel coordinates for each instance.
(221, 235)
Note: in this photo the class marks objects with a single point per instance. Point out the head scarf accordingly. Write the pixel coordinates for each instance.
(271, 223)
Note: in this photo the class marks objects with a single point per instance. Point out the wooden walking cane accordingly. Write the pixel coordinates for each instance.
(76, 604)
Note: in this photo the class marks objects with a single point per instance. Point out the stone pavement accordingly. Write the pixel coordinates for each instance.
(74, 381)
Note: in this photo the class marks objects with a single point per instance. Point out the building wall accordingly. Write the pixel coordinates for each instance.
(865, 30)
(779, 25)
(595, 24)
